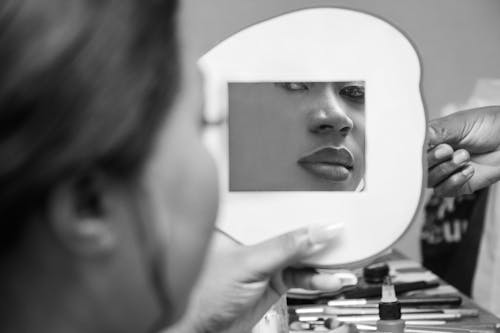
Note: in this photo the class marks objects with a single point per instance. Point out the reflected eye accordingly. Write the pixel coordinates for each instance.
(294, 86)
(354, 93)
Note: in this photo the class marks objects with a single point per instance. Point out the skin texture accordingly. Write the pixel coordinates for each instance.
(273, 125)
(464, 151)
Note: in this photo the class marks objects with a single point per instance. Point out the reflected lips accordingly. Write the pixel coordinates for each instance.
(330, 163)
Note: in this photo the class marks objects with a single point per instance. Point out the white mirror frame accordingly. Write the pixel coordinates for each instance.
(328, 44)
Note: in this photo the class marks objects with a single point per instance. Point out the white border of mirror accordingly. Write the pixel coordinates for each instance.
(328, 44)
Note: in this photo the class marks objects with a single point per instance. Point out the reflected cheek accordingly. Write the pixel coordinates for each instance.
(356, 142)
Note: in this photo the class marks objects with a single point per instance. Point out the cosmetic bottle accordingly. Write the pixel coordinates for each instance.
(389, 310)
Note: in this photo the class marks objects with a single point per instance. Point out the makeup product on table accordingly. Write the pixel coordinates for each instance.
(332, 322)
(359, 311)
(389, 310)
(300, 297)
(407, 301)
(376, 273)
(373, 318)
(399, 288)
(432, 329)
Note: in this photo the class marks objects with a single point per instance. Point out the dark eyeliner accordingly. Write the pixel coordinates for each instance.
(354, 93)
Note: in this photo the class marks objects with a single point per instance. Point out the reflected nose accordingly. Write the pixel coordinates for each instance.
(330, 121)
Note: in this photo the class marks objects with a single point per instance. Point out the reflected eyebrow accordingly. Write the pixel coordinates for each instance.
(283, 82)
(359, 83)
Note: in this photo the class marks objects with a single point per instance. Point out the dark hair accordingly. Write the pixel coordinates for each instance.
(83, 85)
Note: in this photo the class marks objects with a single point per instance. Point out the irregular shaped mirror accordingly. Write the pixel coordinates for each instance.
(317, 118)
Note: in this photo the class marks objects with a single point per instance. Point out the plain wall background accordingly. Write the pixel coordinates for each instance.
(458, 42)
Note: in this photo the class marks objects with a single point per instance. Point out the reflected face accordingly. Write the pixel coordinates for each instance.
(297, 136)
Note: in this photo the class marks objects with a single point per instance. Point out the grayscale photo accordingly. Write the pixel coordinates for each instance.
(193, 166)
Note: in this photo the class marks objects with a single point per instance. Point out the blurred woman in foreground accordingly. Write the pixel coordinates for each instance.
(107, 196)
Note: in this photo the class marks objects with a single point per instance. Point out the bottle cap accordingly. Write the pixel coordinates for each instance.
(389, 311)
(376, 273)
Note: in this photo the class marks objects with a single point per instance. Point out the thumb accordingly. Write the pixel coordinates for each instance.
(270, 256)
(448, 130)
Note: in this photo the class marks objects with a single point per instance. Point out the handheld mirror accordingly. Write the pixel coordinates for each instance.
(319, 119)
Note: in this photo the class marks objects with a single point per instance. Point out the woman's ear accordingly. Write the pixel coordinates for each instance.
(82, 215)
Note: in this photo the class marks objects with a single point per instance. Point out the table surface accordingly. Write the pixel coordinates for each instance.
(484, 315)
(396, 261)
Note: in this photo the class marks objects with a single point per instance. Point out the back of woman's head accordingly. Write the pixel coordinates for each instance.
(84, 84)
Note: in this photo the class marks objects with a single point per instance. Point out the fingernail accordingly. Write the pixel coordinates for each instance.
(346, 278)
(319, 234)
(327, 282)
(460, 157)
(433, 137)
(442, 152)
(468, 171)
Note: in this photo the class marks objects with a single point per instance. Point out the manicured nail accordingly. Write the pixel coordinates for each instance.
(327, 281)
(432, 133)
(319, 234)
(346, 278)
(442, 152)
(468, 171)
(460, 157)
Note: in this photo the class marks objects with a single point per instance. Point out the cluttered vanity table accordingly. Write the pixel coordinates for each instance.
(428, 304)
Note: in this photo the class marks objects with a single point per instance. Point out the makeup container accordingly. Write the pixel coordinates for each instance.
(389, 310)
(376, 273)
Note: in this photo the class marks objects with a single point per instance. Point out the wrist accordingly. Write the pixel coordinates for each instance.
(185, 326)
